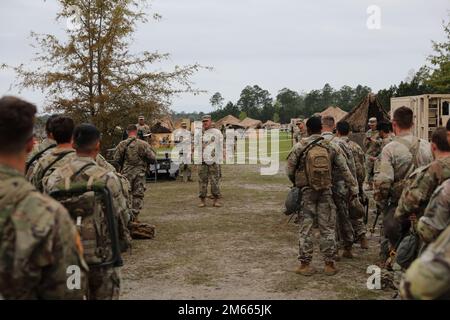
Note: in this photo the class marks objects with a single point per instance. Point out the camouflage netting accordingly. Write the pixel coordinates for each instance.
(359, 116)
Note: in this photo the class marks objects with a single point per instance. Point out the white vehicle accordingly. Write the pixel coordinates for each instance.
(430, 111)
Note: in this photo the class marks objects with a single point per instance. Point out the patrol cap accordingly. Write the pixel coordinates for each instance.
(206, 117)
(141, 117)
(300, 120)
(372, 120)
(184, 124)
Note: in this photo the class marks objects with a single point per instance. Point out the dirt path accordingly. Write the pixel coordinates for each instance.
(244, 250)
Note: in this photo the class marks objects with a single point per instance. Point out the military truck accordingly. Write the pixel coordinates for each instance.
(430, 111)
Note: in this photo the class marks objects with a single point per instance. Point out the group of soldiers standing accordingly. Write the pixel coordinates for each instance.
(64, 210)
(63, 207)
(409, 179)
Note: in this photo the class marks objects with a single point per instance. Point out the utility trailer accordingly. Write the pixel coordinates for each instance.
(430, 111)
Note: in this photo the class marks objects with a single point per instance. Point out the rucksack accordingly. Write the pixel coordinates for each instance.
(318, 168)
(90, 205)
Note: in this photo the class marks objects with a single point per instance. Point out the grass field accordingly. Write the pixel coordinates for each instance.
(243, 250)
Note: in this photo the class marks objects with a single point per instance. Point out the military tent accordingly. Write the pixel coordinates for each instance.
(271, 125)
(336, 112)
(250, 123)
(228, 121)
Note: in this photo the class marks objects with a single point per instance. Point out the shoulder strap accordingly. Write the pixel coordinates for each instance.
(124, 154)
(58, 158)
(38, 155)
(414, 150)
(308, 147)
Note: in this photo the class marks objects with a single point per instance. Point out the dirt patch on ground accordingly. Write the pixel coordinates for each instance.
(244, 250)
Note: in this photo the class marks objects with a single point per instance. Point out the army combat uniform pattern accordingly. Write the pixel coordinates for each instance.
(55, 158)
(209, 172)
(396, 162)
(373, 149)
(39, 242)
(344, 228)
(38, 152)
(437, 214)
(415, 198)
(428, 277)
(137, 154)
(317, 204)
(104, 282)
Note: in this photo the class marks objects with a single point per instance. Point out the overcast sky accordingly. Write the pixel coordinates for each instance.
(273, 43)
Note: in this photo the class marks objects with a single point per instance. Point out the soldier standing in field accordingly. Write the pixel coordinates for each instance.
(312, 165)
(372, 143)
(103, 280)
(301, 132)
(341, 193)
(39, 243)
(209, 170)
(133, 157)
(398, 160)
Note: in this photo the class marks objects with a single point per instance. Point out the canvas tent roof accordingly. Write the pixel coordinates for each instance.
(271, 124)
(251, 123)
(359, 116)
(228, 120)
(336, 112)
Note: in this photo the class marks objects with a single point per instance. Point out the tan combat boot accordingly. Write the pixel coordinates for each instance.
(347, 253)
(216, 203)
(305, 269)
(363, 242)
(202, 203)
(330, 268)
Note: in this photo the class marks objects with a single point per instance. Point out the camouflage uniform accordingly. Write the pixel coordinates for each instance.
(437, 214)
(316, 204)
(104, 282)
(145, 129)
(45, 146)
(38, 243)
(415, 198)
(48, 163)
(138, 155)
(344, 228)
(428, 277)
(124, 183)
(373, 149)
(395, 161)
(384, 142)
(359, 228)
(209, 173)
(298, 135)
